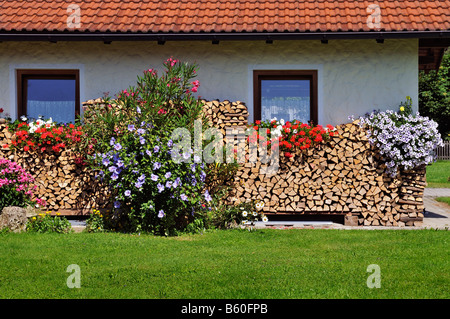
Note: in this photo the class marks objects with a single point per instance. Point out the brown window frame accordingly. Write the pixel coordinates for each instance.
(311, 75)
(54, 74)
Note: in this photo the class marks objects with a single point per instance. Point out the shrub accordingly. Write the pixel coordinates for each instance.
(164, 101)
(406, 141)
(434, 95)
(45, 223)
(16, 185)
(142, 175)
(131, 139)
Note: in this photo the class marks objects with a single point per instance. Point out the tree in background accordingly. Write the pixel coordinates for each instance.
(434, 95)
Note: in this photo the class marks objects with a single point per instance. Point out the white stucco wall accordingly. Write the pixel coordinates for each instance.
(354, 76)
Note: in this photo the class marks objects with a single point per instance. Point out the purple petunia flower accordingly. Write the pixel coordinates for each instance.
(142, 140)
(116, 204)
(117, 146)
(148, 153)
(160, 187)
(127, 193)
(154, 177)
(131, 127)
(138, 109)
(161, 214)
(156, 165)
(156, 149)
(139, 184)
(168, 174)
(140, 131)
(183, 197)
(207, 196)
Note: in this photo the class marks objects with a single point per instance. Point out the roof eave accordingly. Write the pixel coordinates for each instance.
(219, 36)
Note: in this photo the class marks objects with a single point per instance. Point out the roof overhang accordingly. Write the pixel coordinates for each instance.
(219, 36)
(432, 44)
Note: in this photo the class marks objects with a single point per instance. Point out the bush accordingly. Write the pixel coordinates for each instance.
(406, 141)
(16, 185)
(132, 141)
(45, 223)
(434, 95)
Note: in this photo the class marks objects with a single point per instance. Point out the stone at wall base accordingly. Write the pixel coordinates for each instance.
(14, 218)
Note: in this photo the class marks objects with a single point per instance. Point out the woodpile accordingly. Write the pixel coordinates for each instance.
(345, 176)
(226, 114)
(5, 139)
(66, 187)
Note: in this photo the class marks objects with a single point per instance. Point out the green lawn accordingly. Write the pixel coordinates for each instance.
(443, 200)
(438, 174)
(235, 264)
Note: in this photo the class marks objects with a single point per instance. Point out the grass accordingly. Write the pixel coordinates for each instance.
(235, 264)
(438, 174)
(443, 200)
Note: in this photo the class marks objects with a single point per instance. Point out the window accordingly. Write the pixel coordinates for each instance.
(285, 95)
(49, 93)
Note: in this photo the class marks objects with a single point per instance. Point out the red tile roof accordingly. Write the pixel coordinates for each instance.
(182, 16)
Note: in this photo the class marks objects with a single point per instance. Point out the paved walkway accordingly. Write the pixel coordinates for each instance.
(436, 192)
(437, 214)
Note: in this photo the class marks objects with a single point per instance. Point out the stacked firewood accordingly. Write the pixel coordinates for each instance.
(345, 176)
(223, 114)
(65, 186)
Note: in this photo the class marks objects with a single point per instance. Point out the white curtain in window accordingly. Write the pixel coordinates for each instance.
(288, 109)
(59, 111)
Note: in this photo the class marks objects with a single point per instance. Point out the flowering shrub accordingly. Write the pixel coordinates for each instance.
(406, 141)
(16, 185)
(133, 148)
(140, 170)
(44, 135)
(165, 100)
(290, 137)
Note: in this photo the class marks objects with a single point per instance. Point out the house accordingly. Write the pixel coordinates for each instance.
(309, 60)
